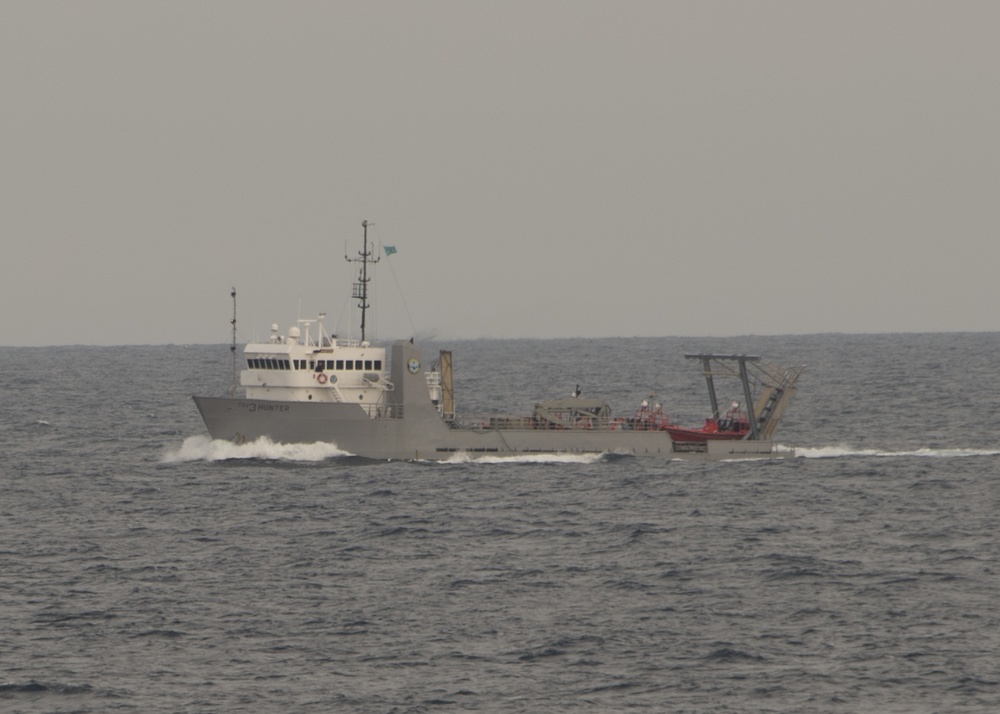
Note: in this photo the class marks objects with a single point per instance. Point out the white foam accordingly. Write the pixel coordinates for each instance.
(463, 457)
(201, 448)
(831, 452)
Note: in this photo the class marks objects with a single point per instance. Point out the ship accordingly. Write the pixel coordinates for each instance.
(304, 385)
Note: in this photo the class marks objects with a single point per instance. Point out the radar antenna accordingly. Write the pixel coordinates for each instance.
(361, 287)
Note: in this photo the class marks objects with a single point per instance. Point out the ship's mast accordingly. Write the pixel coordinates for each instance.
(361, 287)
(232, 348)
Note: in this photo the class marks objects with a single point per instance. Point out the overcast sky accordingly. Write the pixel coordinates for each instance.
(544, 168)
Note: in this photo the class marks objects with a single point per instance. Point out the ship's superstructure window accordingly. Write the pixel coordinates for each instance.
(269, 363)
(318, 365)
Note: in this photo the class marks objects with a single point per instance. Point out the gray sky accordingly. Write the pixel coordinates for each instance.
(545, 169)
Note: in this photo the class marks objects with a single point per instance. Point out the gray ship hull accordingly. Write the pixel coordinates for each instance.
(350, 428)
(410, 427)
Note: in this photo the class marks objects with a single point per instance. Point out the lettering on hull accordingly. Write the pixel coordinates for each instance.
(263, 407)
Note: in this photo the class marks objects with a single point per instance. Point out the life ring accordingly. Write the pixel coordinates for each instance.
(321, 378)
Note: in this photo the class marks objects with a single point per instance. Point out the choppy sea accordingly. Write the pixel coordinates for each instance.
(144, 568)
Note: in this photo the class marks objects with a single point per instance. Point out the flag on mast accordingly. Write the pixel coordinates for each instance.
(389, 250)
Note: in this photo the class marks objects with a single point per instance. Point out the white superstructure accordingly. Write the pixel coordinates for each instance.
(306, 364)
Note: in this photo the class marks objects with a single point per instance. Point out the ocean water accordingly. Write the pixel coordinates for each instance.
(144, 568)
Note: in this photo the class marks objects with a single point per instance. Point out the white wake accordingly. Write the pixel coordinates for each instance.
(832, 452)
(463, 457)
(201, 448)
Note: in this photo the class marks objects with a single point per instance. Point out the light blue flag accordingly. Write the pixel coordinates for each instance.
(389, 250)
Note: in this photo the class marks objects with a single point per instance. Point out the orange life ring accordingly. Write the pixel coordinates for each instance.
(321, 378)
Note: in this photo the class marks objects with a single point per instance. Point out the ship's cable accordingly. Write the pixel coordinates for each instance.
(390, 250)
